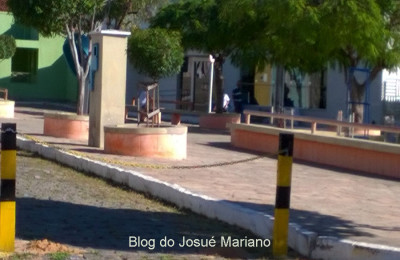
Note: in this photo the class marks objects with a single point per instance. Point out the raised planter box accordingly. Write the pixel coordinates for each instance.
(130, 139)
(218, 121)
(347, 153)
(7, 108)
(66, 125)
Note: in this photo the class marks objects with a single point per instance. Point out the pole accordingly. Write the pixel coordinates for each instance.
(339, 118)
(282, 201)
(212, 60)
(7, 194)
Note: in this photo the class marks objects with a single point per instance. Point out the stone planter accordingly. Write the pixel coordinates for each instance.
(7, 108)
(218, 121)
(130, 139)
(66, 125)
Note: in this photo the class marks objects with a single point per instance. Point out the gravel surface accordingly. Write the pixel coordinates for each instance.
(64, 214)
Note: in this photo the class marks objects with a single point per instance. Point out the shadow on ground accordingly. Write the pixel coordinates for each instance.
(105, 228)
(323, 225)
(201, 130)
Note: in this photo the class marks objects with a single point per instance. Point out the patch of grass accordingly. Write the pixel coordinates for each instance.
(23, 256)
(166, 257)
(58, 256)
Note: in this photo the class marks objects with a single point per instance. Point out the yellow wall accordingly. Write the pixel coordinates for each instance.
(262, 86)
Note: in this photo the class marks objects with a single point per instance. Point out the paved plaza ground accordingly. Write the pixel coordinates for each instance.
(63, 210)
(328, 201)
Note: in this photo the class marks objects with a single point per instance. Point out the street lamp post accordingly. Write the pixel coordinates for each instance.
(212, 60)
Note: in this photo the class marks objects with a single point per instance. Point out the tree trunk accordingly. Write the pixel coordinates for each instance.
(357, 99)
(82, 65)
(81, 93)
(219, 83)
(279, 89)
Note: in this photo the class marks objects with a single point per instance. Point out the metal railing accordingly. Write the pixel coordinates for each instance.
(314, 122)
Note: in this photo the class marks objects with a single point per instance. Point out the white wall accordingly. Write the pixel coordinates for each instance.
(169, 86)
(336, 91)
(336, 98)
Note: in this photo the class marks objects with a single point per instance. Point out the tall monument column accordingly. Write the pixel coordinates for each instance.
(108, 83)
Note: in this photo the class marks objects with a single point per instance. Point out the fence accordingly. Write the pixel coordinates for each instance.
(314, 122)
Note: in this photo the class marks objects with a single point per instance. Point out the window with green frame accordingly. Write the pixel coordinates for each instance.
(24, 65)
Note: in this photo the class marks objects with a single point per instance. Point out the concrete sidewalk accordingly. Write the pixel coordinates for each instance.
(329, 202)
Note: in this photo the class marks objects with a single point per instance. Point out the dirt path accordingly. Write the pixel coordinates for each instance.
(59, 209)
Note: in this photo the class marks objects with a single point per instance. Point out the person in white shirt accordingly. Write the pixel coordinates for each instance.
(226, 102)
(142, 99)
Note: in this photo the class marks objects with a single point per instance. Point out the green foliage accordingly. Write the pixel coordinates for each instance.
(7, 47)
(198, 22)
(156, 52)
(355, 30)
(309, 34)
(50, 17)
(59, 256)
(202, 29)
(125, 13)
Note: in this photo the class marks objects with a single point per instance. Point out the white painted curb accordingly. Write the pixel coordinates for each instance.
(305, 242)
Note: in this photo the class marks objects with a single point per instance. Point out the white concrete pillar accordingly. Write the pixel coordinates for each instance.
(107, 98)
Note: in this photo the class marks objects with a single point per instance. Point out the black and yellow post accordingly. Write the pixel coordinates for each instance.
(282, 201)
(7, 192)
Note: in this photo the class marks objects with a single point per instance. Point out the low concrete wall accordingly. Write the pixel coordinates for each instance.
(353, 154)
(130, 139)
(218, 121)
(66, 125)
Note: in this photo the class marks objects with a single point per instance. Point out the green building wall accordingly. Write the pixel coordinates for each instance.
(53, 81)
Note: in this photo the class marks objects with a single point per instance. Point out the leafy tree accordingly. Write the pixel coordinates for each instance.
(156, 52)
(120, 14)
(310, 34)
(74, 18)
(359, 37)
(7, 47)
(198, 22)
(55, 17)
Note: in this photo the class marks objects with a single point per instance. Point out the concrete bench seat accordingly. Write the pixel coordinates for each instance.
(376, 158)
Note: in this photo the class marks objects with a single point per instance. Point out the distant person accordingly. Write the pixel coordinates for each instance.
(142, 99)
(237, 98)
(142, 103)
(287, 102)
(226, 102)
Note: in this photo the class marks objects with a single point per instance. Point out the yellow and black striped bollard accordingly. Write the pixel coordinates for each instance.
(282, 201)
(7, 193)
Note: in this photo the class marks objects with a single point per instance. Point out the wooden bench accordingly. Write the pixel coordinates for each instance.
(175, 113)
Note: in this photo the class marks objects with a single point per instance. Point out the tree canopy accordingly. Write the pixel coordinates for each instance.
(156, 52)
(62, 17)
(311, 34)
(308, 34)
(76, 18)
(125, 13)
(7, 47)
(50, 17)
(201, 28)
